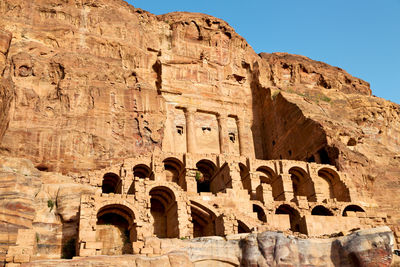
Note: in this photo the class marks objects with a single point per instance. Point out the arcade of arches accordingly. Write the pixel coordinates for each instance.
(196, 195)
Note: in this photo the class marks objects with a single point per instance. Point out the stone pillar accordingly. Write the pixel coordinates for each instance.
(223, 133)
(242, 137)
(190, 130)
(191, 183)
(264, 194)
(287, 186)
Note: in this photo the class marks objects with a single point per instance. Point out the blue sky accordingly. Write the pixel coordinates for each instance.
(360, 36)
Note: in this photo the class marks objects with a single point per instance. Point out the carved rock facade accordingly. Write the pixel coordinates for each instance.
(172, 126)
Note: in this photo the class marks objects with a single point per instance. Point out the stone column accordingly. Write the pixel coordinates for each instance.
(190, 130)
(191, 183)
(287, 186)
(242, 137)
(223, 133)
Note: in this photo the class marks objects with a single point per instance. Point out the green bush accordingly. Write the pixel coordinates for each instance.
(198, 176)
(50, 204)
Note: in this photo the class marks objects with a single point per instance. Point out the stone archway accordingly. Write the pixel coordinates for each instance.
(206, 170)
(294, 216)
(142, 171)
(320, 210)
(268, 176)
(352, 208)
(334, 187)
(164, 210)
(204, 221)
(302, 184)
(174, 170)
(112, 183)
(116, 229)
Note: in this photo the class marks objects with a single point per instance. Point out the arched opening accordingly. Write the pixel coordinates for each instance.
(294, 216)
(335, 188)
(206, 171)
(116, 229)
(267, 176)
(111, 184)
(243, 228)
(352, 208)
(142, 171)
(164, 210)
(321, 211)
(302, 184)
(260, 213)
(173, 170)
(203, 222)
(245, 177)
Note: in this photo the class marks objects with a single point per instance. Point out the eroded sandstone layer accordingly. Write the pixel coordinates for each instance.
(365, 248)
(88, 88)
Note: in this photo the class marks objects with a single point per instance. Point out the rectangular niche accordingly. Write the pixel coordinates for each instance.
(233, 136)
(179, 131)
(207, 136)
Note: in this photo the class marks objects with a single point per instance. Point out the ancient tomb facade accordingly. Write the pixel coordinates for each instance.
(187, 195)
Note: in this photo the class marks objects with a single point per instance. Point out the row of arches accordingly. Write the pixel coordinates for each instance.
(327, 184)
(319, 210)
(174, 172)
(116, 224)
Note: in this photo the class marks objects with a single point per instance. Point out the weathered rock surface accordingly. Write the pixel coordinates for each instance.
(20, 183)
(86, 84)
(371, 247)
(288, 71)
(47, 203)
(84, 79)
(6, 84)
(170, 260)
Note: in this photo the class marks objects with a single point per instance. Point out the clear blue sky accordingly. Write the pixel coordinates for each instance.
(360, 36)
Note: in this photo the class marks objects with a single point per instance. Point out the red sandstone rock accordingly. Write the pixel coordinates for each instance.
(84, 85)
(288, 71)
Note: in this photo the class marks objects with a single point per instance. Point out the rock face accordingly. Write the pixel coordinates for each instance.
(362, 249)
(357, 249)
(45, 203)
(288, 71)
(6, 85)
(84, 79)
(85, 85)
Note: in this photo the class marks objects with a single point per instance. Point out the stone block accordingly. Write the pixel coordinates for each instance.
(22, 258)
(13, 264)
(351, 214)
(87, 236)
(93, 245)
(138, 244)
(157, 250)
(9, 258)
(153, 242)
(87, 252)
(26, 237)
(147, 250)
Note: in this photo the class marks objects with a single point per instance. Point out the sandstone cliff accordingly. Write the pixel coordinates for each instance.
(47, 203)
(356, 132)
(85, 84)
